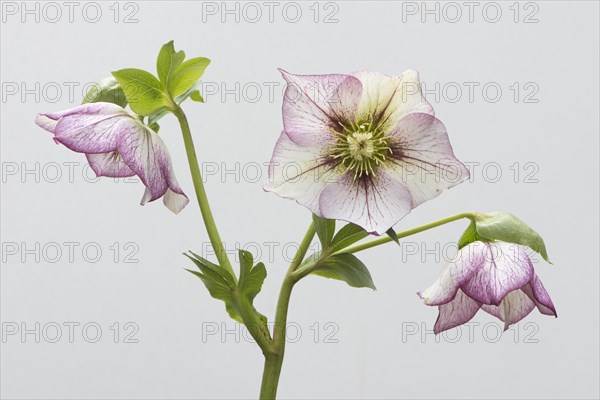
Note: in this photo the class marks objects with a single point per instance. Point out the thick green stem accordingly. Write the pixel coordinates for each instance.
(209, 221)
(274, 360)
(409, 232)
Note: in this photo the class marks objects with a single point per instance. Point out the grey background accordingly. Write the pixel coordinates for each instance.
(375, 355)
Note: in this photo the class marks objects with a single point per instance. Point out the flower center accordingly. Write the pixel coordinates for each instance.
(361, 148)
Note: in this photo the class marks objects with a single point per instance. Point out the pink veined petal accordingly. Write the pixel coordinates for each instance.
(540, 297)
(299, 173)
(457, 312)
(459, 270)
(146, 154)
(389, 98)
(46, 122)
(422, 157)
(91, 128)
(507, 267)
(109, 164)
(515, 306)
(374, 202)
(314, 105)
(174, 198)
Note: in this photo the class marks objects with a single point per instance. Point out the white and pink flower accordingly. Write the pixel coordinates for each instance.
(364, 148)
(117, 144)
(496, 277)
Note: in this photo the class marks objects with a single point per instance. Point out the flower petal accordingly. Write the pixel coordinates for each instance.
(46, 122)
(515, 306)
(459, 270)
(90, 128)
(540, 297)
(146, 154)
(457, 312)
(374, 202)
(109, 164)
(299, 172)
(313, 105)
(389, 98)
(507, 267)
(422, 157)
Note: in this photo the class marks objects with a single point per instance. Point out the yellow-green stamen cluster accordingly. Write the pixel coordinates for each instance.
(361, 148)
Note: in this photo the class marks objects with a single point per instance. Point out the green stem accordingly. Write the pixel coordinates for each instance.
(209, 221)
(409, 232)
(274, 359)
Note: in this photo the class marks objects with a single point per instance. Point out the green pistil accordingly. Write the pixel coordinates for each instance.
(361, 148)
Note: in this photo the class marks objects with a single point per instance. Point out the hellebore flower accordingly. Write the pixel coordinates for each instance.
(364, 148)
(497, 277)
(119, 145)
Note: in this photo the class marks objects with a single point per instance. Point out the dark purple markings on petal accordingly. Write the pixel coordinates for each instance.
(422, 157)
(455, 313)
(314, 105)
(507, 267)
(109, 164)
(300, 172)
(540, 297)
(374, 202)
(513, 308)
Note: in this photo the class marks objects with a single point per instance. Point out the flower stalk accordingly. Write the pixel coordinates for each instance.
(209, 221)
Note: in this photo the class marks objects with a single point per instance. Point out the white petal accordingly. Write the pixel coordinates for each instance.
(459, 270)
(389, 98)
(515, 306)
(423, 158)
(109, 164)
(299, 173)
(314, 105)
(375, 203)
(457, 312)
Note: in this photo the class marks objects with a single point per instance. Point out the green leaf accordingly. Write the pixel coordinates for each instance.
(219, 282)
(325, 229)
(196, 96)
(168, 62)
(392, 234)
(349, 234)
(143, 91)
(154, 126)
(106, 90)
(507, 228)
(187, 75)
(347, 268)
(469, 236)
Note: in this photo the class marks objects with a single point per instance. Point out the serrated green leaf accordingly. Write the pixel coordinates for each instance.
(325, 229)
(346, 267)
(106, 90)
(348, 235)
(508, 228)
(187, 75)
(144, 92)
(167, 62)
(469, 236)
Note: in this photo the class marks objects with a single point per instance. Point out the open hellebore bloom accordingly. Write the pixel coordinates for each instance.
(497, 277)
(119, 145)
(364, 148)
